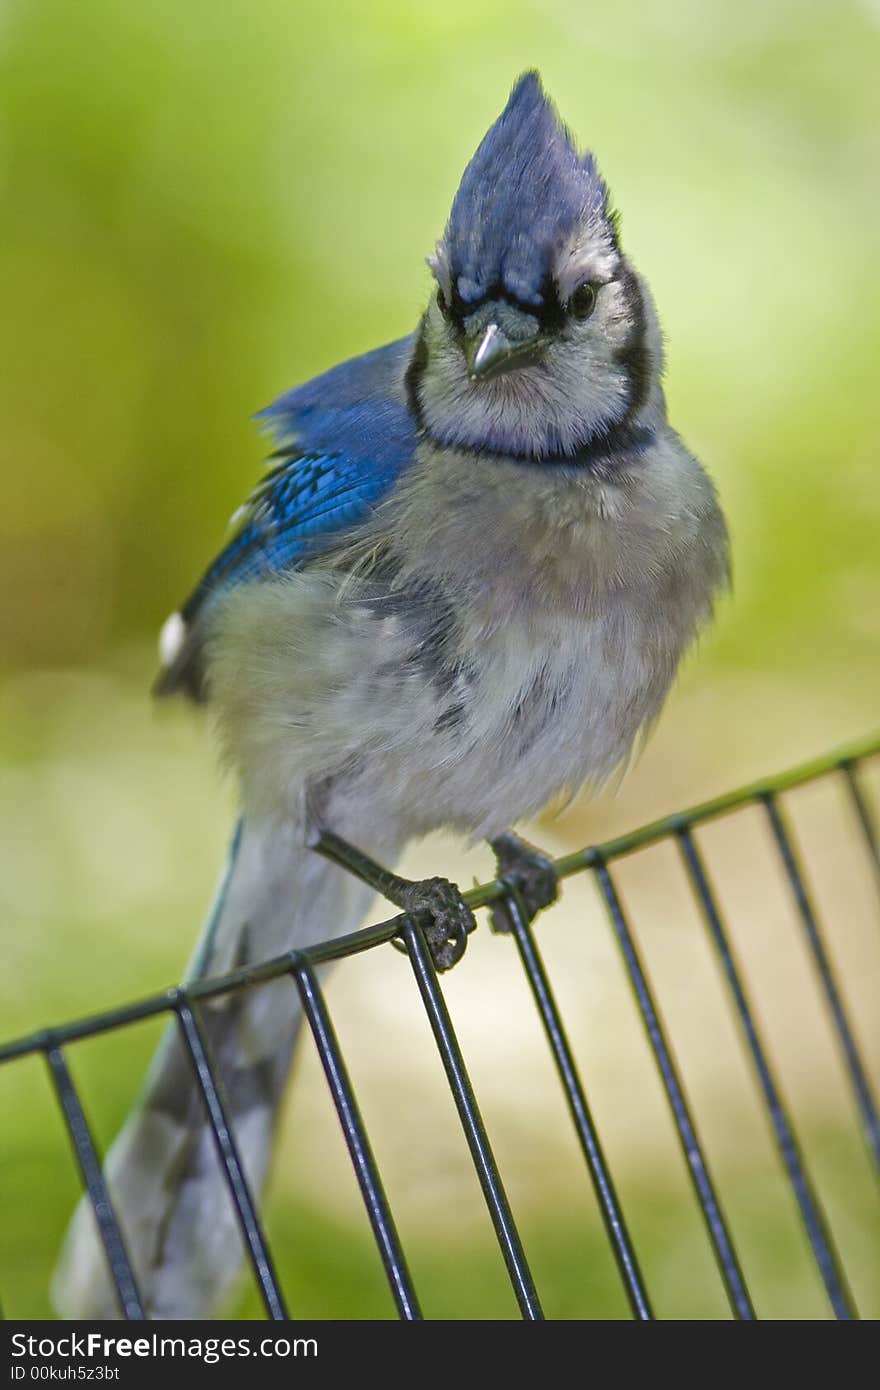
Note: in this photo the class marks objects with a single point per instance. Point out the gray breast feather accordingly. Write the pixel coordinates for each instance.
(517, 633)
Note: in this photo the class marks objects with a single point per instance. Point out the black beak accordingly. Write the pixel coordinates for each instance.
(491, 353)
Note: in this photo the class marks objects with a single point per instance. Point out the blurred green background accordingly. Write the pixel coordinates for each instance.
(203, 204)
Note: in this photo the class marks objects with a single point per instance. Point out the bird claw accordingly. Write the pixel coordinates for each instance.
(451, 920)
(530, 871)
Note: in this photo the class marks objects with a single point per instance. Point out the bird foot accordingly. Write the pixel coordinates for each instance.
(531, 873)
(450, 918)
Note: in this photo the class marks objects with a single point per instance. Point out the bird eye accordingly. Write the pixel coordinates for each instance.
(583, 301)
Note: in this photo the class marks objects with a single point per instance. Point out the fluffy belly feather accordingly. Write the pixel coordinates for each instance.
(313, 688)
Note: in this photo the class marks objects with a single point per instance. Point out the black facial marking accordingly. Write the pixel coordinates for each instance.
(634, 356)
(550, 313)
(416, 370)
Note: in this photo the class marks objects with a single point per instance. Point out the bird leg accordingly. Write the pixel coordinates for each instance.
(532, 873)
(448, 917)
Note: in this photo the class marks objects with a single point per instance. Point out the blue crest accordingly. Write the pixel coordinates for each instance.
(525, 190)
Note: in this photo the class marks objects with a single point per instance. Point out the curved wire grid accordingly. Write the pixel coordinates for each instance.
(299, 966)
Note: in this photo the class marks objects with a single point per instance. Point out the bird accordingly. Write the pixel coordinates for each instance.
(462, 588)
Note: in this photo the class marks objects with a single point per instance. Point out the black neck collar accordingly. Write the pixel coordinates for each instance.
(601, 454)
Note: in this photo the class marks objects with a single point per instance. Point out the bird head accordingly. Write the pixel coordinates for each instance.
(539, 336)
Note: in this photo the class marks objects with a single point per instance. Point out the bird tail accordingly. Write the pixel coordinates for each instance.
(163, 1172)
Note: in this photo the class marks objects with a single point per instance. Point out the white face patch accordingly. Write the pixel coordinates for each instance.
(171, 639)
(578, 389)
(589, 255)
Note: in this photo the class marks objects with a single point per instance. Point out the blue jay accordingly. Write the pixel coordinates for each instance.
(464, 586)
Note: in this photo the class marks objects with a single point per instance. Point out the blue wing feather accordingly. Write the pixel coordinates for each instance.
(343, 440)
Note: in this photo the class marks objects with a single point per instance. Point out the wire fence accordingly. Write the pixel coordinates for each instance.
(409, 932)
